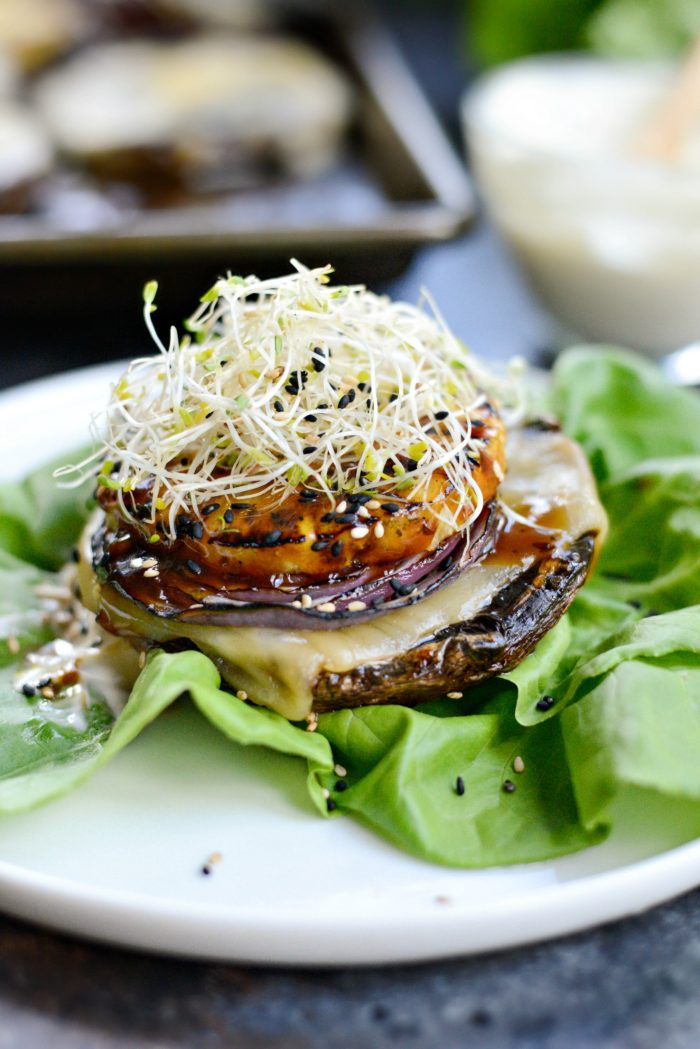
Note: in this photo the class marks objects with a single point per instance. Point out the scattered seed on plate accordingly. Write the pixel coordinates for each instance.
(459, 786)
(546, 703)
(241, 694)
(455, 695)
(508, 786)
(518, 764)
(340, 770)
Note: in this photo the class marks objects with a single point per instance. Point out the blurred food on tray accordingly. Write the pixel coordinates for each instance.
(159, 103)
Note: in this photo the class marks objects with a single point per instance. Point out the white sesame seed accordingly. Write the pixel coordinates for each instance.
(142, 659)
(363, 512)
(150, 562)
(498, 470)
(373, 504)
(379, 529)
(306, 601)
(326, 793)
(341, 507)
(151, 573)
(13, 645)
(357, 606)
(359, 532)
(241, 694)
(455, 695)
(518, 764)
(296, 604)
(340, 770)
(136, 562)
(327, 607)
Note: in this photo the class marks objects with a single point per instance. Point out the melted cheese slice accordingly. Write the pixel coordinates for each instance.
(548, 475)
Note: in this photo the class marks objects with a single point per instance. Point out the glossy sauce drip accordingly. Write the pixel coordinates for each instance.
(518, 540)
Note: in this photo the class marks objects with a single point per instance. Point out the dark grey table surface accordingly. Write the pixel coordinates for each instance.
(633, 984)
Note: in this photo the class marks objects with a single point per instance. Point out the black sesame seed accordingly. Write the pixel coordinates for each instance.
(309, 449)
(345, 518)
(197, 530)
(447, 563)
(393, 397)
(546, 703)
(441, 415)
(359, 497)
(473, 461)
(228, 515)
(508, 786)
(321, 407)
(205, 870)
(75, 554)
(352, 394)
(272, 537)
(308, 496)
(459, 786)
(44, 683)
(411, 465)
(278, 406)
(320, 544)
(330, 516)
(317, 359)
(341, 785)
(209, 509)
(28, 690)
(362, 386)
(391, 508)
(330, 804)
(337, 548)
(194, 567)
(310, 418)
(377, 601)
(241, 506)
(402, 589)
(291, 388)
(344, 401)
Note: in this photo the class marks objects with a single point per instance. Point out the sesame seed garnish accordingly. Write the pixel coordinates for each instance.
(359, 532)
(402, 589)
(241, 694)
(459, 786)
(317, 359)
(306, 601)
(337, 548)
(379, 529)
(29, 691)
(47, 692)
(373, 504)
(210, 508)
(309, 449)
(197, 530)
(344, 401)
(357, 606)
(508, 786)
(341, 507)
(13, 645)
(341, 785)
(441, 415)
(330, 804)
(279, 407)
(136, 562)
(363, 512)
(151, 573)
(498, 470)
(546, 703)
(150, 562)
(327, 518)
(340, 770)
(345, 518)
(325, 791)
(272, 537)
(193, 566)
(455, 695)
(296, 604)
(518, 764)
(320, 544)
(228, 515)
(310, 418)
(312, 722)
(391, 508)
(308, 496)
(328, 606)
(358, 498)
(206, 868)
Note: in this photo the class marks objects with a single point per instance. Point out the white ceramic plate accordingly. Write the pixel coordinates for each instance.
(120, 860)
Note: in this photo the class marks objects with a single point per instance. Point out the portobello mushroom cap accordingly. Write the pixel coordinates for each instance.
(483, 621)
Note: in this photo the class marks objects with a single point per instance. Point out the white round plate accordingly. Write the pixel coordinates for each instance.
(120, 859)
